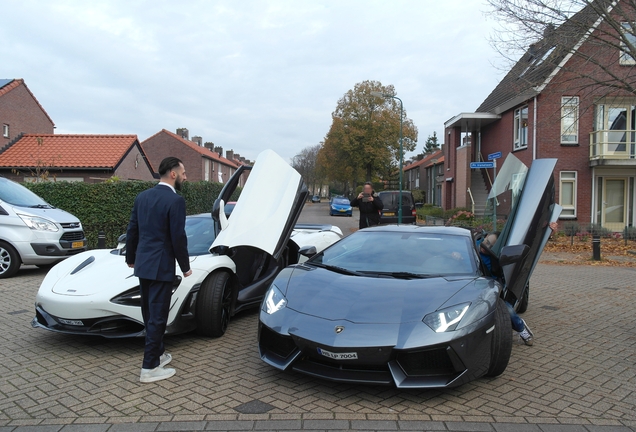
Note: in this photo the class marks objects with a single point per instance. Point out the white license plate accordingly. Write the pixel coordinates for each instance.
(338, 356)
(71, 322)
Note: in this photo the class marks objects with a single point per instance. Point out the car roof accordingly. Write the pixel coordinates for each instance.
(394, 192)
(458, 231)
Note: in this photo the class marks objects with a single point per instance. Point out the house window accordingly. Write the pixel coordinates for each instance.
(626, 52)
(521, 128)
(206, 175)
(570, 120)
(5, 130)
(567, 194)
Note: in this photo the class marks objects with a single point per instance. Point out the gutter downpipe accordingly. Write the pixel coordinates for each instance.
(534, 130)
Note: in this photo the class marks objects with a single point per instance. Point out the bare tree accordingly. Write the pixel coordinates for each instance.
(585, 39)
(305, 163)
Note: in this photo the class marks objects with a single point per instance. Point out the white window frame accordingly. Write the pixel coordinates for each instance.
(569, 210)
(518, 126)
(5, 130)
(625, 58)
(570, 109)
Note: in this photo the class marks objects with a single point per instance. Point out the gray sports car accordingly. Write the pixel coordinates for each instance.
(412, 306)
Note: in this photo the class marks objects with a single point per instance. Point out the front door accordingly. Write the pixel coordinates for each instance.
(614, 211)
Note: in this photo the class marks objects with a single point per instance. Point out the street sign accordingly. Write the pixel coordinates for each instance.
(492, 156)
(479, 165)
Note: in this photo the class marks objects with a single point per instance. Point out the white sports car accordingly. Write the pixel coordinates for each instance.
(234, 260)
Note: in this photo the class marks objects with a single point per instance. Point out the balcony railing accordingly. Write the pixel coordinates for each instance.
(613, 144)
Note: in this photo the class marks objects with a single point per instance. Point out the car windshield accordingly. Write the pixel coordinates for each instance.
(17, 195)
(200, 232)
(341, 201)
(395, 253)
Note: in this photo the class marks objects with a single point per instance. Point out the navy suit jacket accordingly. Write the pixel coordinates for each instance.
(156, 234)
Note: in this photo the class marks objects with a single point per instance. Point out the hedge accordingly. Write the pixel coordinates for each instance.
(107, 206)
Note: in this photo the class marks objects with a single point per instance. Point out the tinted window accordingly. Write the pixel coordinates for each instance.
(390, 199)
(200, 232)
(420, 253)
(17, 195)
(342, 201)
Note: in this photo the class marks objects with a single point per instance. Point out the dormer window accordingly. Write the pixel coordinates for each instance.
(626, 52)
(521, 128)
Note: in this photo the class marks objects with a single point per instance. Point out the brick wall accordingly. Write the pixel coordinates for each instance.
(23, 114)
(163, 145)
(133, 166)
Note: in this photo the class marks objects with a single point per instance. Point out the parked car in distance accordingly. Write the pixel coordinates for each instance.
(340, 206)
(390, 201)
(315, 199)
(34, 232)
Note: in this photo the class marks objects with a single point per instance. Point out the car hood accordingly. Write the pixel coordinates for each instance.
(266, 211)
(367, 300)
(91, 272)
(525, 198)
(52, 214)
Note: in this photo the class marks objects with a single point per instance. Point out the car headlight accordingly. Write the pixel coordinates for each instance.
(38, 223)
(446, 319)
(274, 300)
(348, 208)
(333, 207)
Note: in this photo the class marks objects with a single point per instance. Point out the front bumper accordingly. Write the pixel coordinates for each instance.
(440, 360)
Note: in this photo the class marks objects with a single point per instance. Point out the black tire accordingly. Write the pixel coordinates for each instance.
(214, 305)
(501, 341)
(9, 260)
(45, 266)
(523, 304)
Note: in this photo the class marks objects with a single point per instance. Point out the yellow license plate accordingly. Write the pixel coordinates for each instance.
(342, 210)
(389, 214)
(76, 245)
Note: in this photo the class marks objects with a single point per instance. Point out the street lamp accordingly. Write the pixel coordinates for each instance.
(386, 95)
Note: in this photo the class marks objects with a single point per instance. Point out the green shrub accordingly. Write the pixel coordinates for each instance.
(597, 229)
(107, 206)
(430, 210)
(418, 195)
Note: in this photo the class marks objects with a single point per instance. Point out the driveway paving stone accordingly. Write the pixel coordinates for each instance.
(579, 376)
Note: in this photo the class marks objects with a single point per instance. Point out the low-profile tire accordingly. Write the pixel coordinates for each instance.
(214, 305)
(501, 341)
(523, 304)
(9, 260)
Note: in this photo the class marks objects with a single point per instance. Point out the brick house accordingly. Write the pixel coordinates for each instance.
(424, 174)
(545, 108)
(88, 158)
(20, 112)
(202, 163)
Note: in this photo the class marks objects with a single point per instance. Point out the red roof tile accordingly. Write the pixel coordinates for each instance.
(204, 151)
(437, 154)
(67, 151)
(15, 84)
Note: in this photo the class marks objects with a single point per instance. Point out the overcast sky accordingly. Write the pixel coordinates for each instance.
(246, 75)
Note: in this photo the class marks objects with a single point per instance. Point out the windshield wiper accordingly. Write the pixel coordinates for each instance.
(405, 275)
(334, 268)
(42, 206)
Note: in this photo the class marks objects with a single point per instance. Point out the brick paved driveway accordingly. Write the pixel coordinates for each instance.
(580, 371)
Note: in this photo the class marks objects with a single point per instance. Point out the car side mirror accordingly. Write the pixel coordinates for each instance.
(308, 251)
(513, 254)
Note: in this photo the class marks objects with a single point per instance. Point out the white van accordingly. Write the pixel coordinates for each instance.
(33, 231)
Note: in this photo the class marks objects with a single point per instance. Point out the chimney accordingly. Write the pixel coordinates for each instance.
(209, 145)
(242, 159)
(183, 133)
(237, 156)
(197, 139)
(229, 154)
(219, 150)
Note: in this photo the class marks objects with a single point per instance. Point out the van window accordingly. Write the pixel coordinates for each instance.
(390, 199)
(17, 195)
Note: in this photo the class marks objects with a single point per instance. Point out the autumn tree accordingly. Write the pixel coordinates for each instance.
(545, 34)
(432, 144)
(305, 163)
(363, 140)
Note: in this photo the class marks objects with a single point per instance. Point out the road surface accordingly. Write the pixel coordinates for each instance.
(318, 213)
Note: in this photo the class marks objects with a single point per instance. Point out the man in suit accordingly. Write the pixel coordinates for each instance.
(155, 239)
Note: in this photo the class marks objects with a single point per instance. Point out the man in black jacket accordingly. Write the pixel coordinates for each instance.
(370, 206)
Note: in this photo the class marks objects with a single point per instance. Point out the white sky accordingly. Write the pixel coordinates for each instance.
(246, 75)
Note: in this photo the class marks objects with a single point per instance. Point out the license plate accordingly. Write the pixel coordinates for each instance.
(338, 356)
(78, 244)
(389, 214)
(341, 210)
(71, 322)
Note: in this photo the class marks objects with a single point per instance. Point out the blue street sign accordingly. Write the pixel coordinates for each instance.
(492, 156)
(478, 165)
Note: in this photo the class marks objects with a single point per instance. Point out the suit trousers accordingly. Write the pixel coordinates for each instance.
(155, 306)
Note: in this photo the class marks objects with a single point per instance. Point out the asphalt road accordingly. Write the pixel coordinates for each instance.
(319, 214)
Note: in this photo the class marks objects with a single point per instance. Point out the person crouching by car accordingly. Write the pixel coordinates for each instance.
(370, 206)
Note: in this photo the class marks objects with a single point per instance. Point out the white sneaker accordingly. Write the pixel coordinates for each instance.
(526, 335)
(164, 359)
(157, 374)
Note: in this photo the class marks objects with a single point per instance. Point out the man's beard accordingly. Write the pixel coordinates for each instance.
(177, 184)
